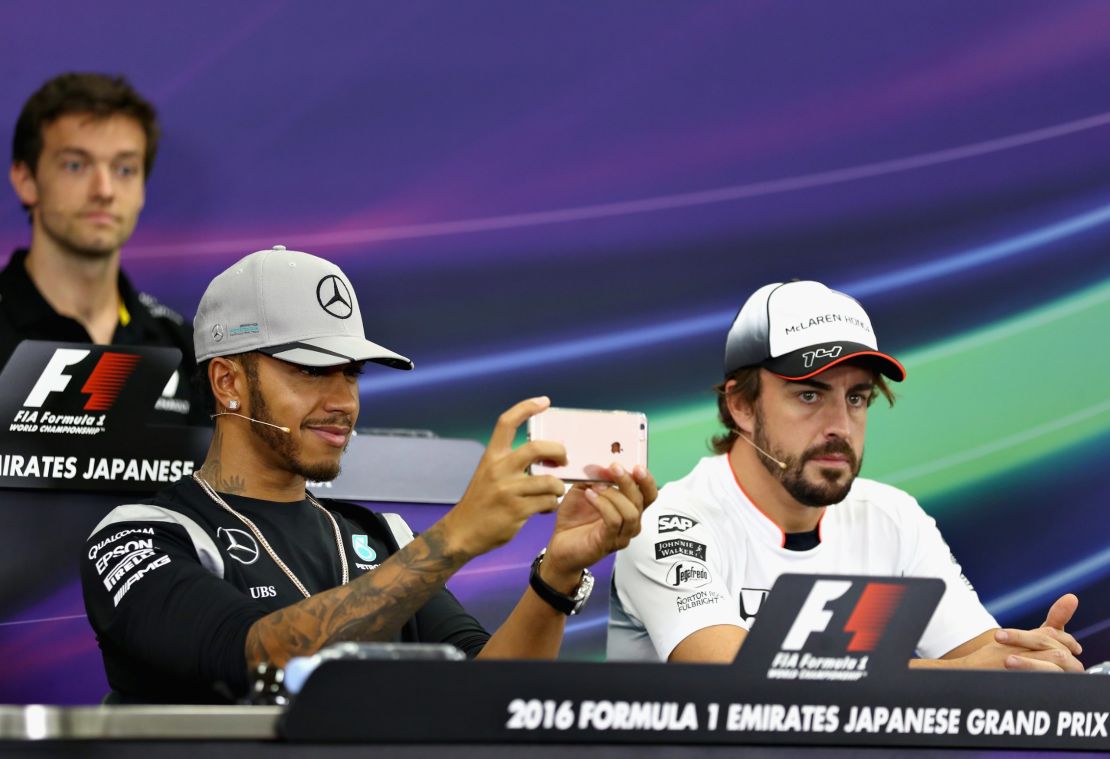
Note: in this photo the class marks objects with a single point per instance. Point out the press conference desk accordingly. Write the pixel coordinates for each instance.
(416, 708)
(251, 731)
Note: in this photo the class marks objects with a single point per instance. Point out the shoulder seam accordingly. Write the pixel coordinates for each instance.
(208, 553)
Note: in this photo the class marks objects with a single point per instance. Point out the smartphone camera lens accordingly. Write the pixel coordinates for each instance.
(642, 425)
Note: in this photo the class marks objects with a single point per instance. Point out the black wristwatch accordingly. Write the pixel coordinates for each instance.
(560, 601)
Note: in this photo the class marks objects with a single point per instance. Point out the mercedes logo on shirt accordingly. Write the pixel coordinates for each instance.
(334, 297)
(240, 544)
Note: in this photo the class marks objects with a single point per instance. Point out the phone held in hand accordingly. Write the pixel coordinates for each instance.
(593, 439)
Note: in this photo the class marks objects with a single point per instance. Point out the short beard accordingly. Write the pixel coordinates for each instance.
(793, 476)
(280, 442)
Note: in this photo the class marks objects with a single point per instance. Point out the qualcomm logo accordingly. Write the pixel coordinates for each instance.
(240, 544)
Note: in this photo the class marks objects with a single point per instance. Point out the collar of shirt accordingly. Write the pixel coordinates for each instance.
(26, 306)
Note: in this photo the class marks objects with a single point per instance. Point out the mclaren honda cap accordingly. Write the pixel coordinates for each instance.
(289, 305)
(799, 329)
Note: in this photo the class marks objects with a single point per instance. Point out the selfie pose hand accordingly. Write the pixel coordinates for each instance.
(596, 520)
(501, 495)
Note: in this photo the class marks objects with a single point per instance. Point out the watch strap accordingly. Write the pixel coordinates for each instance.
(561, 602)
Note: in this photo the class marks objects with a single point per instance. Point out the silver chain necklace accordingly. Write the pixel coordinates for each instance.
(266, 545)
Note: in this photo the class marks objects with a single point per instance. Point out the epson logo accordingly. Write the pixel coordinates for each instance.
(675, 523)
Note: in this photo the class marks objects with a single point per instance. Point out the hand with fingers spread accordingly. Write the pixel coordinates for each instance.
(501, 495)
(594, 521)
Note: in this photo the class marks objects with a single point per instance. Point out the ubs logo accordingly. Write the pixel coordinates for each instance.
(240, 544)
(334, 297)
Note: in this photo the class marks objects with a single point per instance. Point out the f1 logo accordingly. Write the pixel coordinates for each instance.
(813, 617)
(53, 379)
(866, 623)
(103, 385)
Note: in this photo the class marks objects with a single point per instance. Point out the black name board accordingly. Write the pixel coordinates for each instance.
(861, 627)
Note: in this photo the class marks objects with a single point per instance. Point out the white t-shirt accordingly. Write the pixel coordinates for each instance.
(708, 556)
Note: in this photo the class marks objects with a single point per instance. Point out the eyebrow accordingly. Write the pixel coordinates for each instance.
(823, 386)
(86, 154)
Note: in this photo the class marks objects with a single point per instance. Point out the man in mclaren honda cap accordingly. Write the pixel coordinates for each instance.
(241, 565)
(802, 367)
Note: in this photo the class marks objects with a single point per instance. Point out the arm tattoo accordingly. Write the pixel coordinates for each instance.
(371, 608)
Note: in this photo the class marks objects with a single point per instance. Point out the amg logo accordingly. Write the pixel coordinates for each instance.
(675, 523)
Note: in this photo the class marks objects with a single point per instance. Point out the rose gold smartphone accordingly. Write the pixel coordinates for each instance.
(593, 439)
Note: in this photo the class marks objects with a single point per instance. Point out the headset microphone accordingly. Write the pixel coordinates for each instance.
(250, 419)
(750, 442)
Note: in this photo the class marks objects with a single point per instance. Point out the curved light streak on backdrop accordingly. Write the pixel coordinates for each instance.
(519, 194)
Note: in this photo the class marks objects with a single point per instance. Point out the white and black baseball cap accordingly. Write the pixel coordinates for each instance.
(290, 305)
(799, 329)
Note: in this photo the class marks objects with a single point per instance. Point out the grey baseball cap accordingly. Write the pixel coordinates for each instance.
(799, 329)
(290, 305)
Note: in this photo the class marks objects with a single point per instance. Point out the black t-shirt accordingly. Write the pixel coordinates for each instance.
(173, 585)
(25, 315)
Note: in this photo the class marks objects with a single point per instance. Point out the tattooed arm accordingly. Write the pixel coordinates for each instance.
(591, 523)
(371, 608)
(497, 502)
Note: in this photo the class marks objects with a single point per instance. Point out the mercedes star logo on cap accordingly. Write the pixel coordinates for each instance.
(334, 297)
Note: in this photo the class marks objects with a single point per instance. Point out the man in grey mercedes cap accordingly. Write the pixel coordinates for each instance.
(241, 565)
(802, 367)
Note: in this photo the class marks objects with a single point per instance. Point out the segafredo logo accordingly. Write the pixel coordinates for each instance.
(688, 574)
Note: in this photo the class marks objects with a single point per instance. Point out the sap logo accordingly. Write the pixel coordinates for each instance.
(675, 523)
(813, 355)
(103, 385)
(867, 621)
(263, 591)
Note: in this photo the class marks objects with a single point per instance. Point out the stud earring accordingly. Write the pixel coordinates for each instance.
(233, 405)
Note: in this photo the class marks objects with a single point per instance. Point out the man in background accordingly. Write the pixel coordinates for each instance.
(83, 148)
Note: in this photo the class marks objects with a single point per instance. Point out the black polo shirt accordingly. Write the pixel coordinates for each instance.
(25, 315)
(173, 585)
